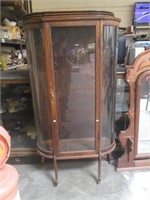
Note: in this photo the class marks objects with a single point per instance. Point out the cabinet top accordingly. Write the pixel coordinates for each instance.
(68, 15)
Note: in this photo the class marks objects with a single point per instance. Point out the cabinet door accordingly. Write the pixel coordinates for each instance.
(74, 68)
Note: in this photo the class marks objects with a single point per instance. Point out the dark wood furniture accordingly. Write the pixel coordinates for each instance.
(72, 72)
(136, 139)
(17, 116)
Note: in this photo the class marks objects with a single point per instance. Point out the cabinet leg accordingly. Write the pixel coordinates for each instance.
(99, 169)
(42, 159)
(108, 157)
(56, 171)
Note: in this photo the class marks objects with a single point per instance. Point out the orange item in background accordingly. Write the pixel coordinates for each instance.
(9, 176)
(4, 146)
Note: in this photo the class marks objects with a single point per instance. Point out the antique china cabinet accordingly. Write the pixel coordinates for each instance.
(136, 138)
(72, 58)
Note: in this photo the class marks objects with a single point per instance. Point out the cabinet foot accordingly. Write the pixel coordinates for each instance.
(98, 181)
(42, 159)
(108, 157)
(55, 184)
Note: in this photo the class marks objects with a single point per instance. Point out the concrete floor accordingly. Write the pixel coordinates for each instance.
(77, 181)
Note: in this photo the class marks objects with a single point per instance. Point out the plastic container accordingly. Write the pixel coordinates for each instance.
(9, 183)
(4, 146)
(9, 176)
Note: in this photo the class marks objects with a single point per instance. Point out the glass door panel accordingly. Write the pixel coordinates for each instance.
(74, 65)
(144, 118)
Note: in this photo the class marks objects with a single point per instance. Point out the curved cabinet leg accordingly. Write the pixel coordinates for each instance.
(42, 159)
(99, 169)
(148, 99)
(56, 171)
(108, 157)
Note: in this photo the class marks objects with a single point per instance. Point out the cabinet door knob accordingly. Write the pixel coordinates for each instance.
(52, 94)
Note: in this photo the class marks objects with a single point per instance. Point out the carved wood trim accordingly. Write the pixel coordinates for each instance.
(141, 64)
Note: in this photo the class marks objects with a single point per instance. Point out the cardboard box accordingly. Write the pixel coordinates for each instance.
(10, 32)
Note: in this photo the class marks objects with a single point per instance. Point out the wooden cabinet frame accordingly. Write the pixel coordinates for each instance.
(44, 23)
(129, 138)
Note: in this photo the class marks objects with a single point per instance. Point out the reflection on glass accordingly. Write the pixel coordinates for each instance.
(144, 118)
(122, 105)
(74, 64)
(122, 97)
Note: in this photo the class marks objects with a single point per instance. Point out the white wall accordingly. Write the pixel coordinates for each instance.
(121, 8)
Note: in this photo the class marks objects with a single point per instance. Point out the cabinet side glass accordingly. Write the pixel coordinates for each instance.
(38, 79)
(108, 85)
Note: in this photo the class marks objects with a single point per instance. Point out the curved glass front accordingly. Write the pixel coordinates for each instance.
(108, 85)
(74, 62)
(36, 56)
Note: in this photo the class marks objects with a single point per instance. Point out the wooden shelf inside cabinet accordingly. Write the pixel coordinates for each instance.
(21, 152)
(14, 77)
(121, 75)
(12, 42)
